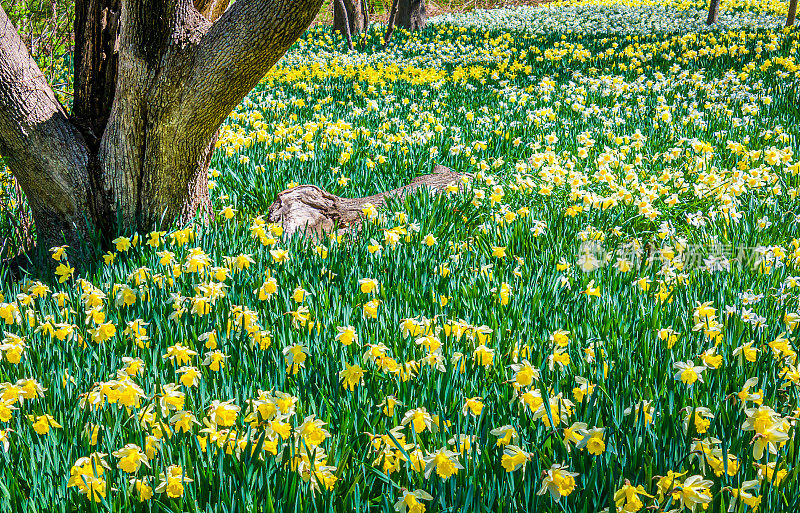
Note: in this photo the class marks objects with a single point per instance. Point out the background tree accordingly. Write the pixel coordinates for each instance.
(350, 17)
(792, 13)
(154, 79)
(713, 12)
(409, 14)
(45, 26)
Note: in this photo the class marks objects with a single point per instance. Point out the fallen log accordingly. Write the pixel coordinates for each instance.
(308, 207)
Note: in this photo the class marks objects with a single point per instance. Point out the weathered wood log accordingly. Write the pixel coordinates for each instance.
(307, 207)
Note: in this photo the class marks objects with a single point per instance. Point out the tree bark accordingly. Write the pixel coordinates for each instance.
(713, 12)
(307, 207)
(95, 67)
(339, 7)
(411, 14)
(43, 149)
(211, 9)
(390, 23)
(154, 81)
(365, 33)
(354, 16)
(792, 13)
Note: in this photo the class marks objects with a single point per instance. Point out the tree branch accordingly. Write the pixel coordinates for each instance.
(236, 52)
(45, 152)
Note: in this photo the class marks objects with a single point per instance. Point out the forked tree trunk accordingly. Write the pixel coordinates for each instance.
(411, 14)
(354, 17)
(792, 13)
(154, 81)
(713, 12)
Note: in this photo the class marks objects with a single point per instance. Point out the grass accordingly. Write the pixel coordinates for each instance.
(631, 206)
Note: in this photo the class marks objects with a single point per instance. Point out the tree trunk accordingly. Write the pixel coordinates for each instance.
(45, 152)
(340, 8)
(154, 81)
(95, 67)
(411, 14)
(792, 13)
(354, 16)
(390, 23)
(307, 207)
(713, 12)
(211, 9)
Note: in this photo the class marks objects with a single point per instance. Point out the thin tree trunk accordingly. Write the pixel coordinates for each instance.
(792, 13)
(390, 22)
(411, 14)
(365, 8)
(713, 12)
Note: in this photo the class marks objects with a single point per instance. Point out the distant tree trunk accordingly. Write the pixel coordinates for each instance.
(344, 21)
(390, 23)
(411, 14)
(713, 12)
(354, 16)
(365, 8)
(792, 13)
(154, 81)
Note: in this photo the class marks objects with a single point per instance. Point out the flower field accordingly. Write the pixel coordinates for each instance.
(602, 315)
